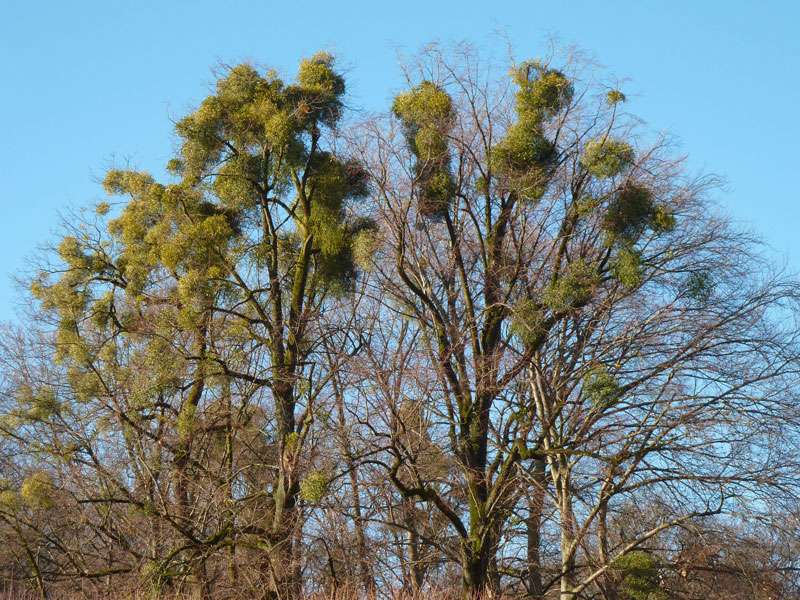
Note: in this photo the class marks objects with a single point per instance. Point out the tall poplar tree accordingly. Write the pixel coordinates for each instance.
(222, 277)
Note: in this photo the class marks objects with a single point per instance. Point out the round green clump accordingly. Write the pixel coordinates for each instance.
(615, 97)
(600, 387)
(627, 267)
(239, 86)
(531, 186)
(291, 443)
(9, 500)
(43, 405)
(336, 271)
(321, 88)
(586, 205)
(528, 322)
(314, 486)
(542, 91)
(662, 220)
(634, 210)
(435, 192)
(426, 105)
(118, 182)
(606, 157)
(523, 147)
(630, 212)
(700, 287)
(316, 73)
(364, 244)
(175, 166)
(37, 489)
(330, 234)
(573, 288)
(430, 144)
(525, 157)
(154, 575)
(233, 182)
(640, 578)
(426, 113)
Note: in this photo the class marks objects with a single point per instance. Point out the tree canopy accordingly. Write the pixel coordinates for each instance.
(497, 335)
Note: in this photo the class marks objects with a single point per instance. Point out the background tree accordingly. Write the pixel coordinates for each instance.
(529, 239)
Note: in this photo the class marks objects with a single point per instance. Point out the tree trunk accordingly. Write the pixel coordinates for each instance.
(477, 550)
(284, 583)
(607, 583)
(534, 526)
(475, 568)
(567, 535)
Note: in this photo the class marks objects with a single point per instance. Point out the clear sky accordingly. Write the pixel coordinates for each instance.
(89, 83)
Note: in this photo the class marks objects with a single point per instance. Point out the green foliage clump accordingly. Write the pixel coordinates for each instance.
(573, 288)
(425, 106)
(134, 183)
(314, 486)
(37, 489)
(436, 192)
(321, 89)
(662, 221)
(615, 97)
(525, 155)
(522, 148)
(586, 205)
(632, 211)
(639, 573)
(288, 247)
(251, 136)
(332, 235)
(600, 387)
(542, 92)
(195, 244)
(606, 157)
(38, 405)
(9, 500)
(365, 241)
(71, 251)
(233, 183)
(700, 286)
(154, 576)
(336, 271)
(426, 113)
(527, 322)
(9, 497)
(261, 118)
(335, 181)
(86, 385)
(627, 267)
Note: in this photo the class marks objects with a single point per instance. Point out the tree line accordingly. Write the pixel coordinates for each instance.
(495, 341)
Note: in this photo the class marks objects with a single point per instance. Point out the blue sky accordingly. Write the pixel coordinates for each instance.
(91, 83)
